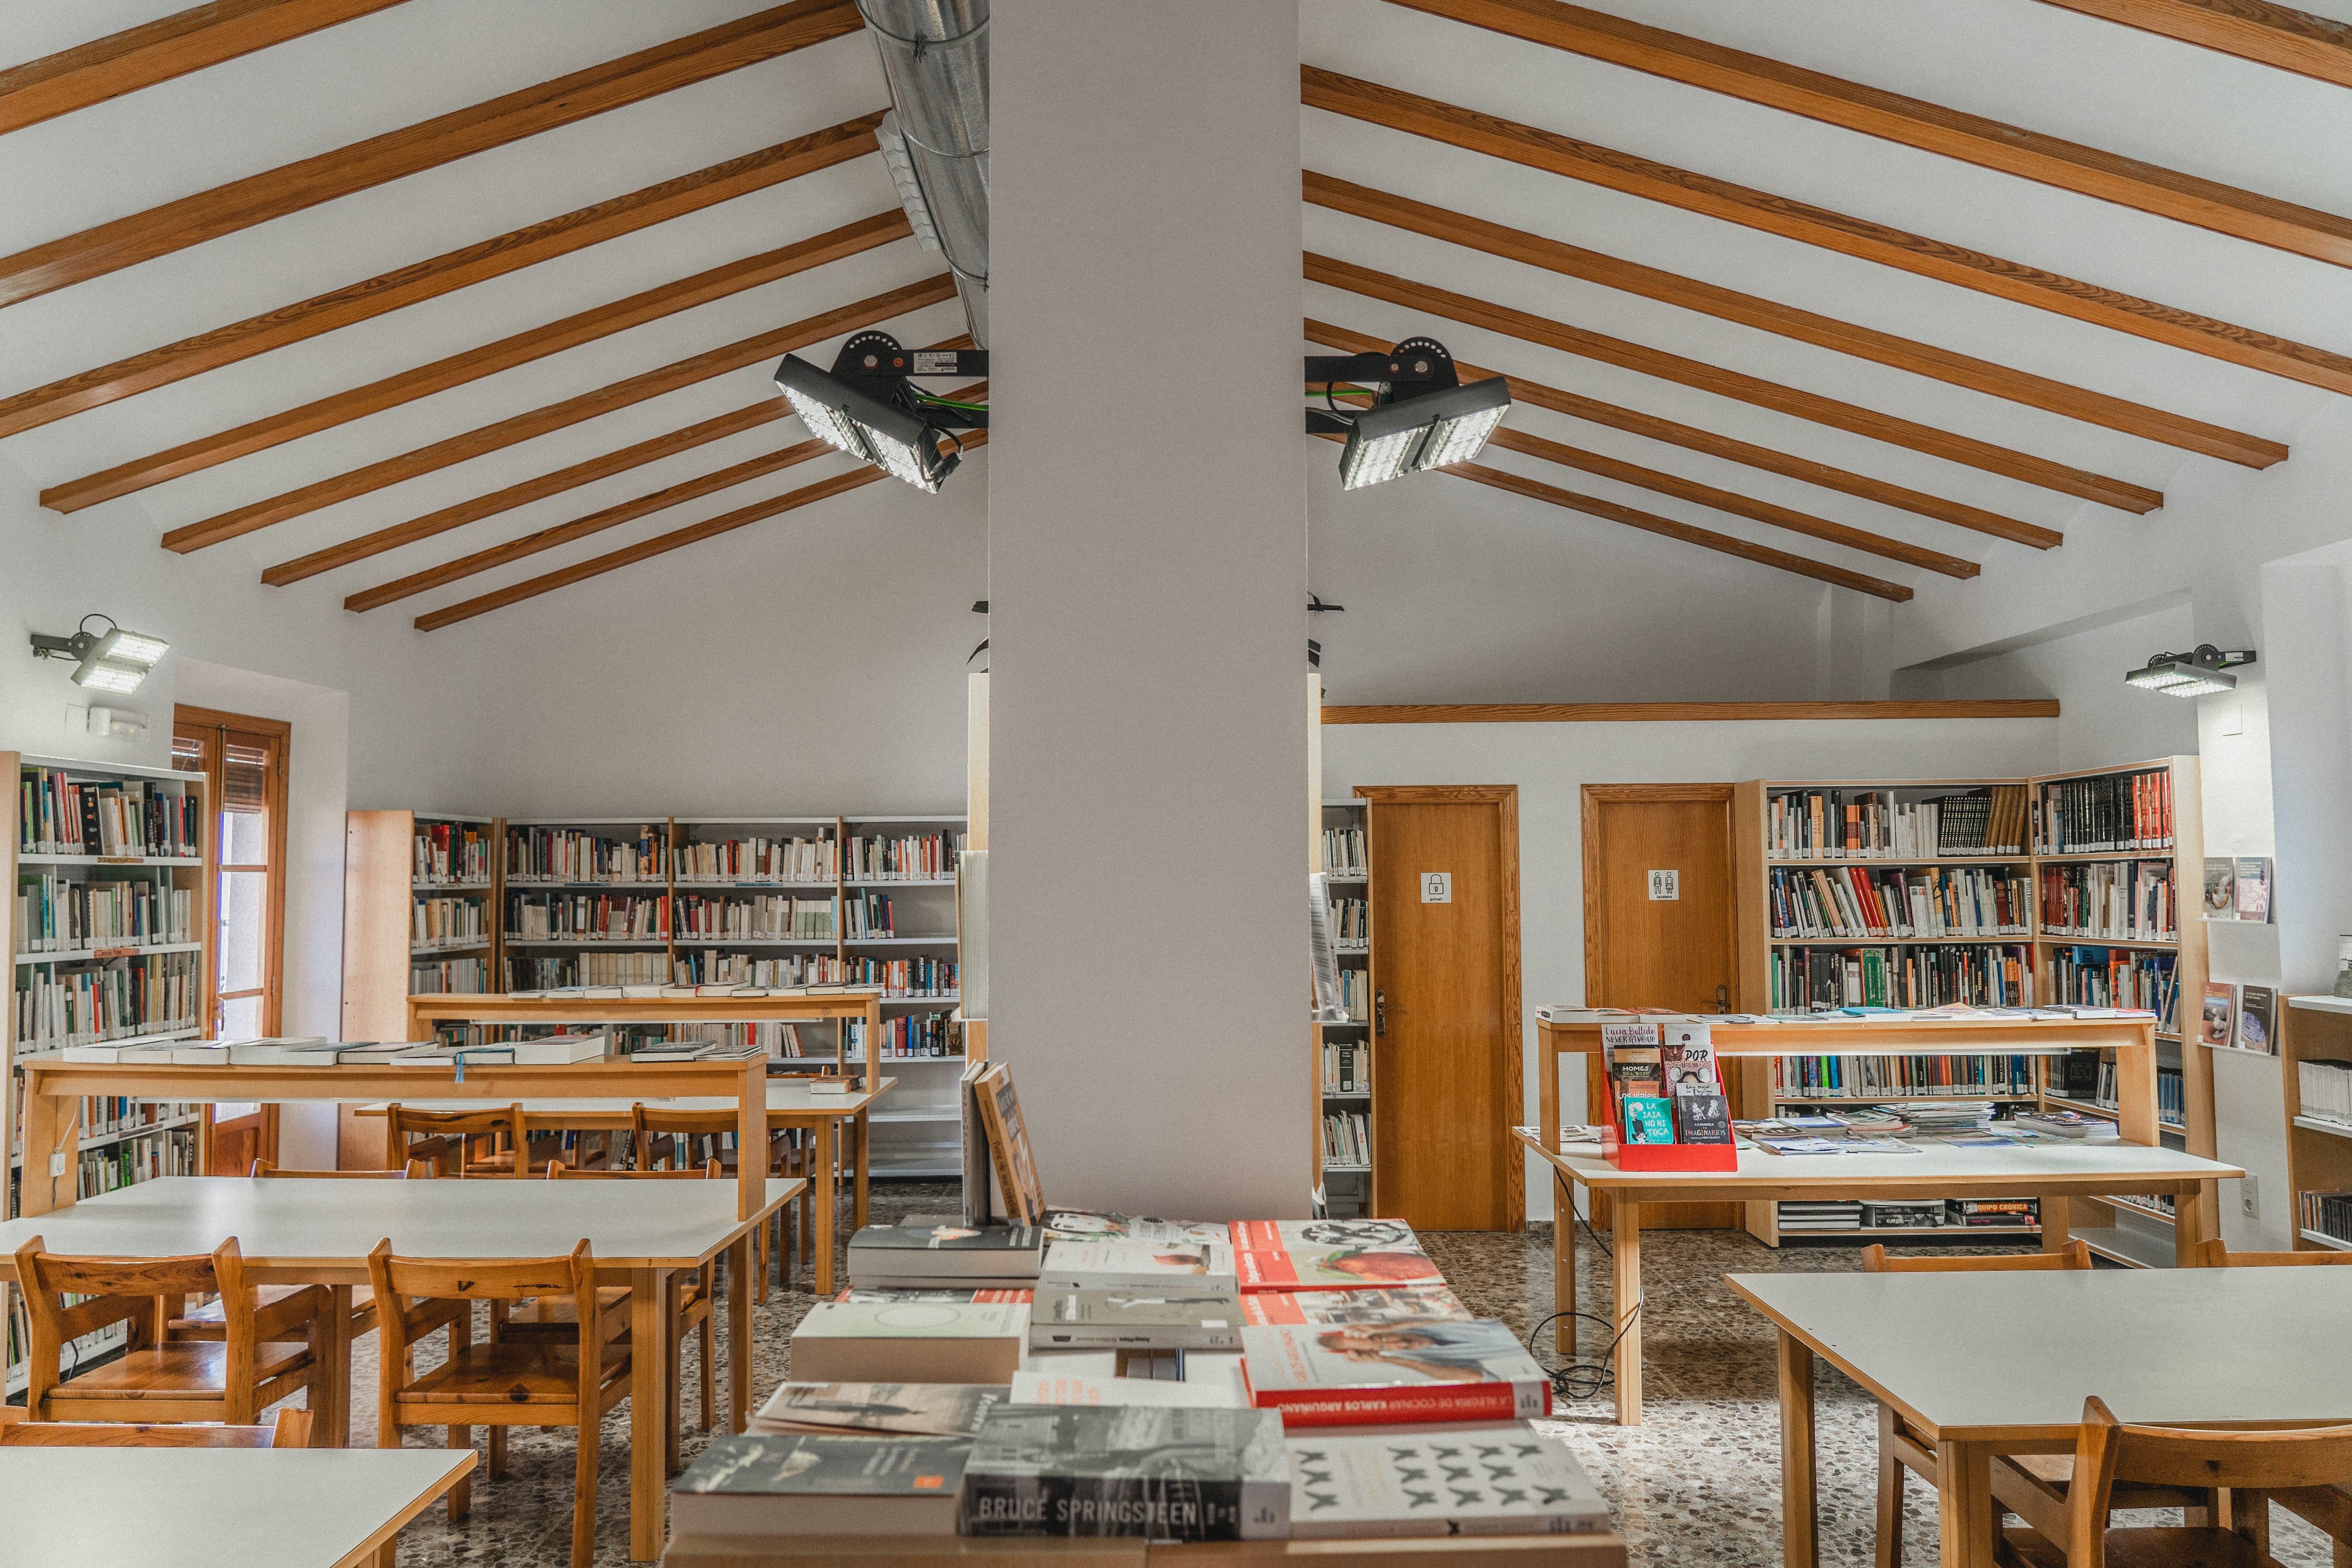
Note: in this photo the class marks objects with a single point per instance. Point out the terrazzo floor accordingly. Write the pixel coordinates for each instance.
(1698, 1482)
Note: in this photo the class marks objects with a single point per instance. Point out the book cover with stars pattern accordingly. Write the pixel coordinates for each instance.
(1458, 1480)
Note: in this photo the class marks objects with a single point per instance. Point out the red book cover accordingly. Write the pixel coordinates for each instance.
(1329, 1255)
(1338, 1308)
(1390, 1373)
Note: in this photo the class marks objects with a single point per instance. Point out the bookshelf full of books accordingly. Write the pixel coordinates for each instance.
(1344, 1082)
(2054, 891)
(2314, 1045)
(107, 931)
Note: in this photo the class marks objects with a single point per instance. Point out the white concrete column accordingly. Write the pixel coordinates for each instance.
(1147, 601)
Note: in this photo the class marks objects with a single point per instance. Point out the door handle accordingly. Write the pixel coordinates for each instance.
(1380, 1012)
(1722, 998)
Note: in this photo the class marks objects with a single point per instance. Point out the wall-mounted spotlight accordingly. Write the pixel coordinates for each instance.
(1422, 416)
(868, 406)
(110, 660)
(2193, 674)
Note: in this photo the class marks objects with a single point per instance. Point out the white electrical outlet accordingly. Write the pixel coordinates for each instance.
(2250, 1198)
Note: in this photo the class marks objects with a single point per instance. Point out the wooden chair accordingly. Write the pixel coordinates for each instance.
(538, 1383)
(266, 1354)
(446, 1139)
(2253, 1466)
(2216, 1254)
(689, 1308)
(707, 1128)
(208, 1321)
(292, 1431)
(2032, 1486)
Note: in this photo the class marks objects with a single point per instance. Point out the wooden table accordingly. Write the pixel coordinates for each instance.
(2190, 1346)
(319, 1233)
(496, 1008)
(216, 1508)
(2048, 1172)
(790, 1104)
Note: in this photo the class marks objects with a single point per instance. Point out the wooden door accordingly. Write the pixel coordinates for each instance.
(1447, 1076)
(1643, 949)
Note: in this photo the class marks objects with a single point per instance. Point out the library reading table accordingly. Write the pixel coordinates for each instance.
(496, 1007)
(2051, 1173)
(2218, 1347)
(296, 1232)
(790, 1104)
(217, 1508)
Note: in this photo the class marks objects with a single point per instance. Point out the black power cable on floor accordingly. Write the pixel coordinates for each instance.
(1586, 1377)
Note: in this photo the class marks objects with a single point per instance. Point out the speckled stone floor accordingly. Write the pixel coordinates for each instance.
(1698, 1482)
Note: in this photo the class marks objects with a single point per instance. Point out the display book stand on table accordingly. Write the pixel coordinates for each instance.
(2061, 965)
(2053, 1174)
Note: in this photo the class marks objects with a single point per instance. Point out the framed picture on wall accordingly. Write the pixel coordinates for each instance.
(2217, 1020)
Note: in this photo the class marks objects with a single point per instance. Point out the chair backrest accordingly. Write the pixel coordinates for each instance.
(2108, 1451)
(415, 1170)
(711, 1171)
(445, 1133)
(420, 1284)
(2216, 1254)
(1875, 1260)
(648, 1123)
(123, 1290)
(292, 1431)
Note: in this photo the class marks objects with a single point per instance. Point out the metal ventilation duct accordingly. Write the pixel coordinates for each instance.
(935, 55)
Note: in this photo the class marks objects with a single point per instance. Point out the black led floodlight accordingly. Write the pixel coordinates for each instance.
(868, 407)
(110, 660)
(1422, 416)
(2203, 669)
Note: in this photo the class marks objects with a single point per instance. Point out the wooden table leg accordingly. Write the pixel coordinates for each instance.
(50, 1121)
(827, 1202)
(2187, 1226)
(2057, 1223)
(332, 1429)
(648, 1375)
(865, 1142)
(1563, 1264)
(738, 1333)
(1964, 1513)
(671, 1289)
(1626, 1243)
(1799, 1547)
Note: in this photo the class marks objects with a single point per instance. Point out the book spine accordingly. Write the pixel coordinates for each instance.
(1375, 1407)
(1153, 1507)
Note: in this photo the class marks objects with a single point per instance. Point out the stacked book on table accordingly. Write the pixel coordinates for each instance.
(1100, 1375)
(548, 1050)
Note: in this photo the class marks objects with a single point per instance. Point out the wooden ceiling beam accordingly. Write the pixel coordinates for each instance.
(1594, 411)
(440, 274)
(1913, 122)
(2277, 35)
(661, 544)
(461, 133)
(544, 539)
(1788, 321)
(1873, 423)
(554, 417)
(1537, 149)
(457, 370)
(159, 50)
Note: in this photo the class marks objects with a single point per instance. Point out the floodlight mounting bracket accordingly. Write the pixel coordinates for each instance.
(876, 365)
(2205, 656)
(1414, 367)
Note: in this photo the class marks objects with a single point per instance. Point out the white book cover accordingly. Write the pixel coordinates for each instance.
(200, 1054)
(1056, 1388)
(560, 1050)
(1463, 1480)
(916, 1320)
(1128, 1265)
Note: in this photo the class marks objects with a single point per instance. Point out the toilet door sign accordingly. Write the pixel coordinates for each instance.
(1438, 887)
(1665, 885)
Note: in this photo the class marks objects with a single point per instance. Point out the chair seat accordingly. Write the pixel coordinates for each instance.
(2199, 1547)
(509, 1374)
(174, 1372)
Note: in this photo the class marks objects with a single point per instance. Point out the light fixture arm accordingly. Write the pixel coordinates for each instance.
(2205, 656)
(876, 364)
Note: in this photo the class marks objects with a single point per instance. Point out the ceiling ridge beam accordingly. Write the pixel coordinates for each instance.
(554, 417)
(544, 539)
(1594, 411)
(661, 544)
(1876, 424)
(604, 465)
(2268, 35)
(159, 50)
(1849, 235)
(440, 275)
(1788, 322)
(460, 133)
(1913, 123)
(472, 365)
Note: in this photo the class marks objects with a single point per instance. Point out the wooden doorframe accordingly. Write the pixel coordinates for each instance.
(1505, 799)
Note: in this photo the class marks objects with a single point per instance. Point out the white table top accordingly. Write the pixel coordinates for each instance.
(783, 1094)
(209, 1508)
(323, 1230)
(2025, 1165)
(2004, 1354)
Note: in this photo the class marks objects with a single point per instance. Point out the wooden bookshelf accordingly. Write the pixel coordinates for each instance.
(35, 960)
(2126, 1232)
(2318, 1150)
(1349, 1187)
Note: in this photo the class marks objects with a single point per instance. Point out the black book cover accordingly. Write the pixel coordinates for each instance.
(90, 841)
(1167, 1473)
(804, 1463)
(1703, 1118)
(993, 1239)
